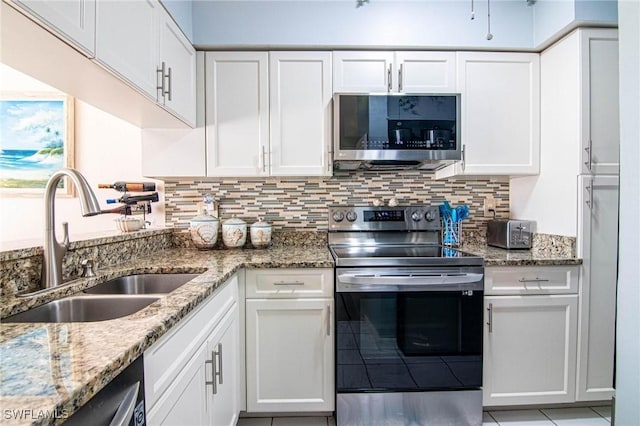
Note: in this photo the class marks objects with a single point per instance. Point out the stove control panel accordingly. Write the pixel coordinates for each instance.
(398, 218)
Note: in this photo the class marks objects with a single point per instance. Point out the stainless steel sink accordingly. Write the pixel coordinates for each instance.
(85, 308)
(142, 284)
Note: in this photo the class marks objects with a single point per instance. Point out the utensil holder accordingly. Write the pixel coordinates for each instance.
(451, 233)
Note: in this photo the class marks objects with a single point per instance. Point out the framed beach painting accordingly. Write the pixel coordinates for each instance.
(36, 138)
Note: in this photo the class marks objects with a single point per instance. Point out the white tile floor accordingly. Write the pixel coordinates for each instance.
(587, 416)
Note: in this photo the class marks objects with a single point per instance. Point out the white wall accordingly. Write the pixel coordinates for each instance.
(549, 17)
(551, 197)
(182, 13)
(382, 23)
(107, 149)
(605, 11)
(627, 410)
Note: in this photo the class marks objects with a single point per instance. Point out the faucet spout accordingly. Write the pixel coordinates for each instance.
(54, 251)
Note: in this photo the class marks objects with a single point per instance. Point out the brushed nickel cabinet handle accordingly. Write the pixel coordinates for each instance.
(264, 159)
(588, 149)
(400, 78)
(589, 200)
(219, 371)
(389, 79)
(289, 283)
(169, 78)
(490, 322)
(212, 382)
(328, 320)
(160, 79)
(534, 280)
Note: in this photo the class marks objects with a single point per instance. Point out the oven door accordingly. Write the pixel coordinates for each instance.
(406, 330)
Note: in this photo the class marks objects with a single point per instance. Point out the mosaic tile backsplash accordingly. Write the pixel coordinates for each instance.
(301, 203)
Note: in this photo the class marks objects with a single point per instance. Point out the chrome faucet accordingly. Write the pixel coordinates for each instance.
(53, 250)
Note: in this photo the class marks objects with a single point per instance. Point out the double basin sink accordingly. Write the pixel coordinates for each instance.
(112, 299)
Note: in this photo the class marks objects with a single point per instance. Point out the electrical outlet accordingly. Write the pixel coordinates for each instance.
(489, 207)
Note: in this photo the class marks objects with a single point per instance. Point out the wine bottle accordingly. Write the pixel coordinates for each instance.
(122, 210)
(130, 186)
(133, 199)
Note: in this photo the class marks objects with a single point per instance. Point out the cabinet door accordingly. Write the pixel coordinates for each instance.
(74, 20)
(529, 349)
(132, 50)
(224, 370)
(300, 111)
(290, 355)
(179, 59)
(598, 244)
(185, 401)
(178, 152)
(362, 72)
(237, 113)
(500, 114)
(601, 124)
(426, 72)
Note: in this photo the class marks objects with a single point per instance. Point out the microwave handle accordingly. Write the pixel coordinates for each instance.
(463, 157)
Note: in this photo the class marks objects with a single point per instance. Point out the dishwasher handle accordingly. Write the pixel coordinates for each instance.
(125, 409)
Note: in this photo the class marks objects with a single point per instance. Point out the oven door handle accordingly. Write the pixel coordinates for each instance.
(403, 282)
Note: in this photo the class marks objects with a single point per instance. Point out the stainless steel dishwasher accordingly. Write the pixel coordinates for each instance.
(120, 403)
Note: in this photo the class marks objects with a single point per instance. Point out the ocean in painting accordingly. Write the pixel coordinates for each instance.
(21, 168)
(32, 142)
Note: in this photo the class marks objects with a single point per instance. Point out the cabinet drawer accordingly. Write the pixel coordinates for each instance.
(289, 283)
(531, 280)
(165, 358)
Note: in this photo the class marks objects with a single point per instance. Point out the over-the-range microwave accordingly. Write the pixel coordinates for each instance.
(396, 131)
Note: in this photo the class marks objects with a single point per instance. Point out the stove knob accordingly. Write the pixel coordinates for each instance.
(416, 216)
(338, 216)
(351, 216)
(429, 216)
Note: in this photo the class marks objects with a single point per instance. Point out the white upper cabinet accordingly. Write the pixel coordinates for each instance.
(268, 113)
(132, 50)
(73, 20)
(300, 113)
(362, 72)
(237, 113)
(500, 114)
(600, 105)
(150, 52)
(399, 72)
(178, 62)
(426, 72)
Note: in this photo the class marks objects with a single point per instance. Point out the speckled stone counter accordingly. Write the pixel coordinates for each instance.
(494, 256)
(52, 369)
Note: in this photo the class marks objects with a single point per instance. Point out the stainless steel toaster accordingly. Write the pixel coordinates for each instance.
(510, 234)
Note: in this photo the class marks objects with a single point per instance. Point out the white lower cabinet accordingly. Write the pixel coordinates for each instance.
(530, 336)
(289, 341)
(192, 374)
(184, 401)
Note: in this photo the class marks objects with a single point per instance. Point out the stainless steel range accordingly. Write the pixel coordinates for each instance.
(409, 320)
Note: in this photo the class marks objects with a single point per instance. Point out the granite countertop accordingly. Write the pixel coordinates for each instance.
(49, 370)
(494, 256)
